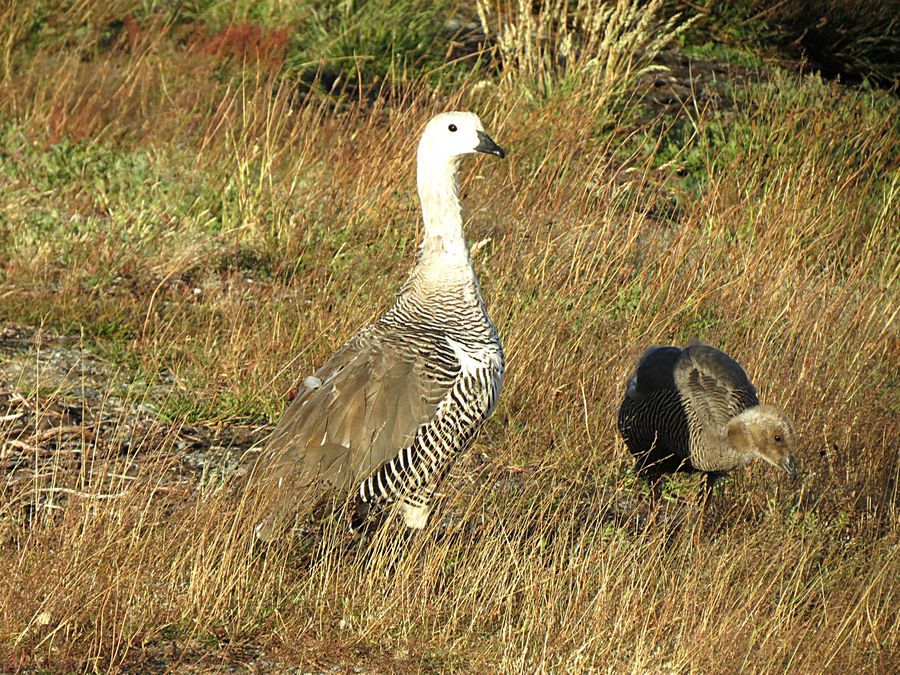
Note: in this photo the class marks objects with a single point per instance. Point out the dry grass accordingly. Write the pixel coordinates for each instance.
(596, 48)
(213, 237)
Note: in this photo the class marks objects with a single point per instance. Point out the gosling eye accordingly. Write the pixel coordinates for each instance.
(778, 438)
(452, 127)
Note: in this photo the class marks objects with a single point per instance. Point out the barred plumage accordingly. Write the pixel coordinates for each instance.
(695, 409)
(385, 417)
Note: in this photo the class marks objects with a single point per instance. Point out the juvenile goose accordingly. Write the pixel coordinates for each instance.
(385, 417)
(695, 410)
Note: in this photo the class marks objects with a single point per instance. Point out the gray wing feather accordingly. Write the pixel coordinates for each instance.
(714, 383)
(372, 399)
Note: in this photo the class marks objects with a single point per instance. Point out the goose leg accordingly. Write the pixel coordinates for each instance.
(713, 478)
(415, 515)
(654, 500)
(656, 489)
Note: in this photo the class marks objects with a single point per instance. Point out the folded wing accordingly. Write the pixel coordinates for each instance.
(714, 384)
(361, 408)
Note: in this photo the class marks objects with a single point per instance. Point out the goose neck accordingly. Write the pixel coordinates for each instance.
(439, 195)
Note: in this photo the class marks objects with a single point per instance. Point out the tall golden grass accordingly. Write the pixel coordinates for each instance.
(251, 231)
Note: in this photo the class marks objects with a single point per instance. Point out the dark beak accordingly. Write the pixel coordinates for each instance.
(790, 466)
(486, 144)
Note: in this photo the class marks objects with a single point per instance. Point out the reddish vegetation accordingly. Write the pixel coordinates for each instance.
(132, 30)
(141, 37)
(245, 42)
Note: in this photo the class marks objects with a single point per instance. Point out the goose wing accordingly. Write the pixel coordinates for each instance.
(715, 385)
(358, 411)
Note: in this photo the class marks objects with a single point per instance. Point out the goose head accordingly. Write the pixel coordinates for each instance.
(450, 136)
(766, 433)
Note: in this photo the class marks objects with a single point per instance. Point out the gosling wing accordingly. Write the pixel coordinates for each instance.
(714, 384)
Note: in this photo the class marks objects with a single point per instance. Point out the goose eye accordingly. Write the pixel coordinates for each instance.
(452, 127)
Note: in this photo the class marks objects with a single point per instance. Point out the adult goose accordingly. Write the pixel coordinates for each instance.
(383, 419)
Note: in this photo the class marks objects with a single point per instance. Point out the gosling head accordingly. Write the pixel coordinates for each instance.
(767, 433)
(450, 136)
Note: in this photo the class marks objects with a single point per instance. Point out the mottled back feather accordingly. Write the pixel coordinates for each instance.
(654, 372)
(713, 385)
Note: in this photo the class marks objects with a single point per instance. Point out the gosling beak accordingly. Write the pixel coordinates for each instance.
(790, 466)
(486, 145)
